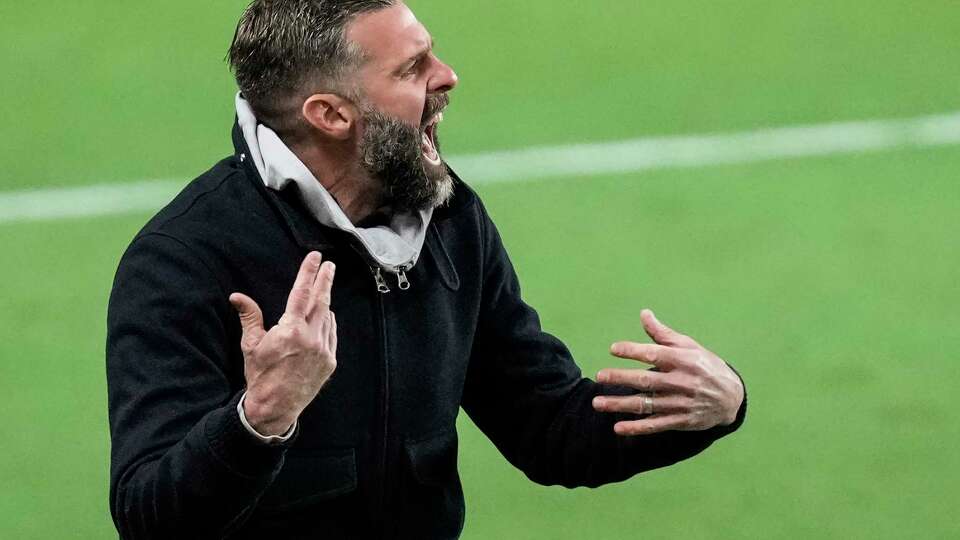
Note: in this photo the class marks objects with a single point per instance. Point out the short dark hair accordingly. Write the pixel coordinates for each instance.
(285, 50)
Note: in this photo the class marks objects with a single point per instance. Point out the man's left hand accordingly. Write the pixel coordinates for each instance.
(691, 390)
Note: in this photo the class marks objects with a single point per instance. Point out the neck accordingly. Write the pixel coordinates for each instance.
(337, 168)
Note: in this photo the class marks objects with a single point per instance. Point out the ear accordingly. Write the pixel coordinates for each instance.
(331, 114)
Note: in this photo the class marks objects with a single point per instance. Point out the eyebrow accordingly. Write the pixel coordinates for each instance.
(420, 54)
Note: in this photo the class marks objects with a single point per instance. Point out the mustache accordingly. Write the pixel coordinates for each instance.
(435, 103)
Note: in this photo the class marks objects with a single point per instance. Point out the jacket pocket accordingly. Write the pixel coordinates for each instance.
(308, 477)
(432, 497)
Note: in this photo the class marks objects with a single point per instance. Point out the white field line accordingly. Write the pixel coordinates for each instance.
(626, 156)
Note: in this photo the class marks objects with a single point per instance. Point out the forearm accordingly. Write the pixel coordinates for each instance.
(525, 392)
(580, 447)
(199, 487)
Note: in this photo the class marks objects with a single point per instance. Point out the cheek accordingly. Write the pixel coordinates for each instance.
(407, 104)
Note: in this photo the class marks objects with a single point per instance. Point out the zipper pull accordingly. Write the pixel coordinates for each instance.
(402, 280)
(381, 283)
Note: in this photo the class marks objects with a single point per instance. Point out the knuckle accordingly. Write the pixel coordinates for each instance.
(328, 365)
(689, 385)
(690, 361)
(291, 333)
(302, 291)
(680, 338)
(313, 344)
(702, 363)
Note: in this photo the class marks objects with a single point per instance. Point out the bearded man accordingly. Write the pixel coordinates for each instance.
(289, 422)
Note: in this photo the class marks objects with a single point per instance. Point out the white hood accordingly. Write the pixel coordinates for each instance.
(393, 247)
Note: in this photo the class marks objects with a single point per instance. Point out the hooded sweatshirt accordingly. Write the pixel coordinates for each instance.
(394, 247)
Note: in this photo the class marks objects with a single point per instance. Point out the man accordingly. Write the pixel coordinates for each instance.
(242, 407)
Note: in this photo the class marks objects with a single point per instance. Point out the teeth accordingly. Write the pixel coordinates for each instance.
(429, 152)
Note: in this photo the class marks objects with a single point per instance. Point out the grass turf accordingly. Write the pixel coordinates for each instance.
(829, 282)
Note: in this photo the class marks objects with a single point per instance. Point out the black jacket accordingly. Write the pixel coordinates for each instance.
(376, 453)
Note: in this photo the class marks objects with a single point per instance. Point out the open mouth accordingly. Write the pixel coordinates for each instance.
(428, 143)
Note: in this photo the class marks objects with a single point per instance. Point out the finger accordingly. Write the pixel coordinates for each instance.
(251, 319)
(639, 379)
(333, 333)
(663, 334)
(650, 425)
(300, 295)
(636, 404)
(664, 358)
(322, 288)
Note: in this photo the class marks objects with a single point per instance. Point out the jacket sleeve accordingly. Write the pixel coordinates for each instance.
(182, 464)
(525, 392)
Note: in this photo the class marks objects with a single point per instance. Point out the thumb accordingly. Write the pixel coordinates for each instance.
(663, 334)
(251, 318)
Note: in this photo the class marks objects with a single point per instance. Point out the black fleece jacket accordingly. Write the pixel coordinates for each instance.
(375, 454)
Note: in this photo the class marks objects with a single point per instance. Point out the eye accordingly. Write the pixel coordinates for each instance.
(412, 70)
(415, 66)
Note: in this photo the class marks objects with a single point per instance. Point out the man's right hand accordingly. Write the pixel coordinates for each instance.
(286, 367)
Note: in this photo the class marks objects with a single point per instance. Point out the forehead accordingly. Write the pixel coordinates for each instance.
(389, 35)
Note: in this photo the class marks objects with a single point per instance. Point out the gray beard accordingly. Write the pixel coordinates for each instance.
(390, 153)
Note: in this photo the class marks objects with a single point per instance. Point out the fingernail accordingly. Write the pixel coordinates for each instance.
(615, 348)
(333, 269)
(598, 402)
(601, 377)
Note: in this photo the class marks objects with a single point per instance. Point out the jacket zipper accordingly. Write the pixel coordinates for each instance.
(382, 287)
(385, 412)
(403, 283)
(380, 516)
(402, 280)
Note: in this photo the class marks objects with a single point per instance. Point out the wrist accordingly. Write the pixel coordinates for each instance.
(264, 418)
(741, 396)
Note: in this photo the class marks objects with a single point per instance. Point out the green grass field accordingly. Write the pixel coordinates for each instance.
(831, 282)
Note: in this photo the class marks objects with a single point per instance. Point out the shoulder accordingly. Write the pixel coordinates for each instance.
(222, 198)
(218, 221)
(221, 207)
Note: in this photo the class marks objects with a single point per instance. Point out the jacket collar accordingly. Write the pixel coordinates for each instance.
(305, 229)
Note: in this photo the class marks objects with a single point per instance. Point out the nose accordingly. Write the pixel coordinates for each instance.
(444, 78)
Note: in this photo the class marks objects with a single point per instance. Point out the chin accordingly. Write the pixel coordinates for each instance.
(444, 190)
